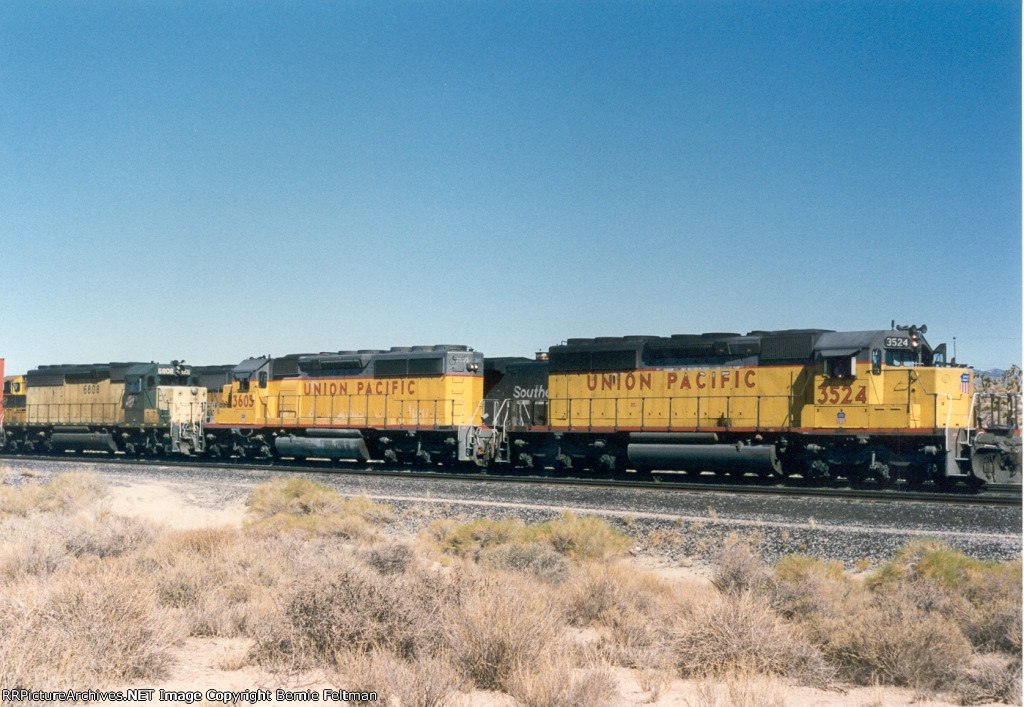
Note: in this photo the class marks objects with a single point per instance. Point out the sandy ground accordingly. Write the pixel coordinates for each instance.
(205, 663)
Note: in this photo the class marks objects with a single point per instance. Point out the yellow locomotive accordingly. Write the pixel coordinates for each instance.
(813, 403)
(406, 404)
(14, 400)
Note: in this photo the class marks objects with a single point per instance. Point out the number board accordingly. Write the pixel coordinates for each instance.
(897, 342)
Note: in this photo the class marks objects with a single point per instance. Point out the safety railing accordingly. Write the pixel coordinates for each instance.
(997, 410)
(73, 413)
(653, 413)
(515, 413)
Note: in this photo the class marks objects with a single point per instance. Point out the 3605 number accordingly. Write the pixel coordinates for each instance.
(836, 394)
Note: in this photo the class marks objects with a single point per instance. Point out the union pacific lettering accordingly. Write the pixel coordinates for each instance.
(675, 380)
(361, 387)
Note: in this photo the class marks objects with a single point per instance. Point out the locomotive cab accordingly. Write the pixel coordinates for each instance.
(166, 400)
(889, 380)
(14, 400)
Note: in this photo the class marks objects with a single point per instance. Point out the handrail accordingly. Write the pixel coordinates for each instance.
(432, 412)
(699, 412)
(70, 413)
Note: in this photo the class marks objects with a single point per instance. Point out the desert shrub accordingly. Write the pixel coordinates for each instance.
(738, 689)
(654, 681)
(738, 569)
(347, 609)
(97, 623)
(638, 640)
(740, 632)
(41, 544)
(579, 537)
(637, 608)
(106, 535)
(532, 558)
(302, 506)
(219, 581)
(595, 592)
(292, 496)
(582, 538)
(893, 641)
(797, 568)
(500, 624)
(983, 597)
(909, 622)
(989, 678)
(555, 681)
(32, 545)
(204, 542)
(422, 681)
(64, 493)
(813, 592)
(390, 558)
(470, 538)
(183, 578)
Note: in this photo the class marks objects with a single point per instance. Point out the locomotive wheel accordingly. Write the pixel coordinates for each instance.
(611, 463)
(917, 475)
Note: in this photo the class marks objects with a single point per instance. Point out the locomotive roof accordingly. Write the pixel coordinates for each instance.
(845, 343)
(621, 342)
(849, 343)
(787, 345)
(58, 374)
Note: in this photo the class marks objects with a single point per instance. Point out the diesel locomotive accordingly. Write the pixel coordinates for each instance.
(866, 406)
(135, 408)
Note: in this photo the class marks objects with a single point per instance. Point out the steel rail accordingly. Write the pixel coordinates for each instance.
(991, 496)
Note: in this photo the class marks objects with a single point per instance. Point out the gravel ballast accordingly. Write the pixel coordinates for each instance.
(680, 527)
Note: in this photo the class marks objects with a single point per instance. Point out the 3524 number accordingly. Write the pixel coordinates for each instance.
(835, 394)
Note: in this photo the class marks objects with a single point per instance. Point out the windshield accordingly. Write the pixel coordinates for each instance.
(898, 357)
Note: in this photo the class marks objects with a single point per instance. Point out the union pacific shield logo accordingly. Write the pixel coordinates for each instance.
(965, 383)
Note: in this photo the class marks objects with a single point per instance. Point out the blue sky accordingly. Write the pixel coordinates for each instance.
(211, 181)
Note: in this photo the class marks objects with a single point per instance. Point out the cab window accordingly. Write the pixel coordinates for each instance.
(263, 379)
(841, 366)
(898, 357)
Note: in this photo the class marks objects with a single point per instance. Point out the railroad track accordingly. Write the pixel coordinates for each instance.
(991, 496)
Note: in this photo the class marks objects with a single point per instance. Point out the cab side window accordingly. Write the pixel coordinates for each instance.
(840, 366)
